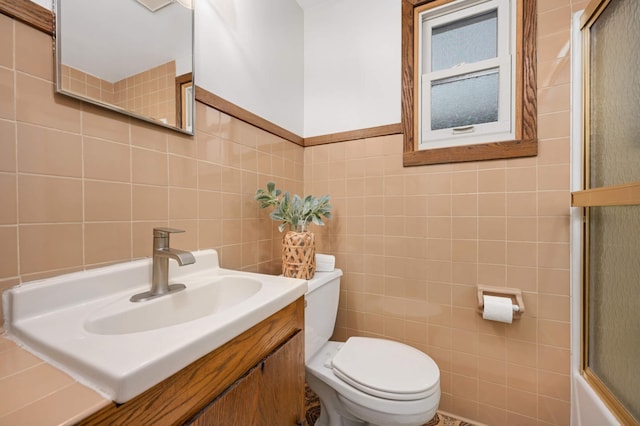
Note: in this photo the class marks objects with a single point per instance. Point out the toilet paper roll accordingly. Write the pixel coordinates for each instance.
(325, 262)
(498, 309)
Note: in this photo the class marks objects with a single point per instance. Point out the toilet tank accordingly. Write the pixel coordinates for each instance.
(321, 309)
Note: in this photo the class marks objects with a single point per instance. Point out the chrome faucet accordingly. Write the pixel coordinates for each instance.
(162, 252)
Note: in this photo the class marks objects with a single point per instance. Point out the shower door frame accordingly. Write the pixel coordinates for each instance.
(618, 195)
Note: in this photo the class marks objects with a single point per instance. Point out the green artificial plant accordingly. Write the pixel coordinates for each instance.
(293, 210)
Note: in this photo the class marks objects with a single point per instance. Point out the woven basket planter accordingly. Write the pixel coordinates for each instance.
(299, 255)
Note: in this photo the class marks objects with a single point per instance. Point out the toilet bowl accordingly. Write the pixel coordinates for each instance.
(363, 380)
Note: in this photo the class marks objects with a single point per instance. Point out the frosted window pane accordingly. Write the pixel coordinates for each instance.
(464, 101)
(466, 41)
(615, 91)
(614, 301)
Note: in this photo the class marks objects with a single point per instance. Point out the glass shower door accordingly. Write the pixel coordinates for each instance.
(611, 322)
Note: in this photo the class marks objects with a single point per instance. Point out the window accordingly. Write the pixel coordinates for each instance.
(611, 204)
(468, 80)
(465, 74)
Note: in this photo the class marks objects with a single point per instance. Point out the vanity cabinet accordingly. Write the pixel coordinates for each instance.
(268, 395)
(256, 378)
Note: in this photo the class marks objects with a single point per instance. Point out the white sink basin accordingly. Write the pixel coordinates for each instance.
(85, 324)
(203, 298)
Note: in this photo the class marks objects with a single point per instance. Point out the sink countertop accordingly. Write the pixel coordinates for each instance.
(33, 392)
(57, 334)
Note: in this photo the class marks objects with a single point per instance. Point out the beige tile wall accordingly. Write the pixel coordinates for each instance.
(80, 82)
(82, 187)
(415, 242)
(151, 93)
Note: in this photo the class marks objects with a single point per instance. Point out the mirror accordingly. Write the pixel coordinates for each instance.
(131, 56)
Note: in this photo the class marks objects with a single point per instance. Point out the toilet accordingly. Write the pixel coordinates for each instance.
(363, 381)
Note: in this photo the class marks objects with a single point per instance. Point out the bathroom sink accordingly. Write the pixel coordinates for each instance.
(85, 324)
(204, 298)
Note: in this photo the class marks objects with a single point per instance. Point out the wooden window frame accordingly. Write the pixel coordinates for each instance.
(428, 18)
(525, 143)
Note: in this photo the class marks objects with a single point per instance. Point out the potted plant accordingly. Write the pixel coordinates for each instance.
(298, 244)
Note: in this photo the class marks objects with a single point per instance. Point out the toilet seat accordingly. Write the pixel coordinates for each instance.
(320, 374)
(386, 369)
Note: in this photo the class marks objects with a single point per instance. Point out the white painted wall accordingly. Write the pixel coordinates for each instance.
(47, 4)
(352, 66)
(251, 54)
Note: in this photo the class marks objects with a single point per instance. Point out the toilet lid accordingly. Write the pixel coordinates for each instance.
(386, 369)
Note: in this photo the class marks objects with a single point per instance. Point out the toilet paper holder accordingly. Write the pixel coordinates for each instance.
(514, 293)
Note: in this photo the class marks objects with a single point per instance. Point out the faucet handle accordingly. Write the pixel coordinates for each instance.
(164, 232)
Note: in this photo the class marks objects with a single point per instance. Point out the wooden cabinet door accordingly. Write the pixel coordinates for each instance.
(270, 394)
(282, 396)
